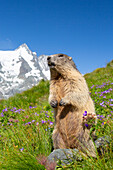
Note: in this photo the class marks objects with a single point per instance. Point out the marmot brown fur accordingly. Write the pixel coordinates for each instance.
(69, 96)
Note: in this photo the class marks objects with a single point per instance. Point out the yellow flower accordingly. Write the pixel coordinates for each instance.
(104, 123)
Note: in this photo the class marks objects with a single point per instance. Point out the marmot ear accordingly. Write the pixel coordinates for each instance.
(70, 58)
(60, 55)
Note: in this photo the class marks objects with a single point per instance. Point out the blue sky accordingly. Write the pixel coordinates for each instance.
(82, 29)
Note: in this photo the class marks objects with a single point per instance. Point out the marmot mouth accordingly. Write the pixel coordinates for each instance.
(51, 64)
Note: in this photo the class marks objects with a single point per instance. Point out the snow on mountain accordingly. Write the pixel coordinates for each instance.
(44, 67)
(20, 70)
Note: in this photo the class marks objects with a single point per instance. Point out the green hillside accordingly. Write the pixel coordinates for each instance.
(26, 125)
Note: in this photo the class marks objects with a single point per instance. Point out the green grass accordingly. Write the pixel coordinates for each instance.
(26, 125)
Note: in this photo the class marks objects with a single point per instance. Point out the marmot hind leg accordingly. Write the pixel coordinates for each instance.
(57, 140)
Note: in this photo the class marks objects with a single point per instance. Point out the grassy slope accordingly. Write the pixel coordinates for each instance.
(26, 124)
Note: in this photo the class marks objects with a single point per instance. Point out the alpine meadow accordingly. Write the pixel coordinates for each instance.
(27, 121)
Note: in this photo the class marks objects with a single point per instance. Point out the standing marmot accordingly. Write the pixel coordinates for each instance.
(69, 96)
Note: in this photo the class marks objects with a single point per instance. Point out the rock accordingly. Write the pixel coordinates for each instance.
(102, 141)
(65, 155)
(68, 155)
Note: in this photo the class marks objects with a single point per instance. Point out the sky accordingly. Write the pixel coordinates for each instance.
(82, 29)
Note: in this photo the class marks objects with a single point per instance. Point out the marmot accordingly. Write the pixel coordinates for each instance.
(69, 97)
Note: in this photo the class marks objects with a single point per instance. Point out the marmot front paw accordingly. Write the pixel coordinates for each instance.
(54, 103)
(62, 103)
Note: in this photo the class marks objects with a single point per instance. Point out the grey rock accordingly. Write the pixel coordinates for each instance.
(102, 141)
(0, 66)
(66, 156)
(101, 144)
(25, 68)
(1, 94)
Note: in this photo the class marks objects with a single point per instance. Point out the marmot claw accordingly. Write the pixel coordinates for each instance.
(54, 103)
(62, 103)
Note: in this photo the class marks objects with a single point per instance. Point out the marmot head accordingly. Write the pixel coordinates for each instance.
(60, 60)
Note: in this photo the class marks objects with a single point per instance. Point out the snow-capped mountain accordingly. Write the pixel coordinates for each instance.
(20, 70)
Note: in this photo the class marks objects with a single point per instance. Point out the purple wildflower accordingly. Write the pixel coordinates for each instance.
(98, 116)
(85, 113)
(51, 123)
(35, 107)
(92, 86)
(2, 115)
(9, 124)
(101, 104)
(18, 111)
(102, 116)
(33, 120)
(101, 94)
(46, 115)
(110, 104)
(13, 109)
(29, 123)
(37, 123)
(104, 96)
(43, 121)
(36, 114)
(21, 149)
(5, 110)
(109, 115)
(86, 125)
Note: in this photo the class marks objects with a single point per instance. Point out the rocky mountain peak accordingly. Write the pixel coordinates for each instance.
(20, 70)
(24, 48)
(24, 45)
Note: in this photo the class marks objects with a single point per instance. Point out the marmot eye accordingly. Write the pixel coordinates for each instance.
(61, 55)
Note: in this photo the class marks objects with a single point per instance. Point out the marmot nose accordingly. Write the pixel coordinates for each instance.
(48, 58)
